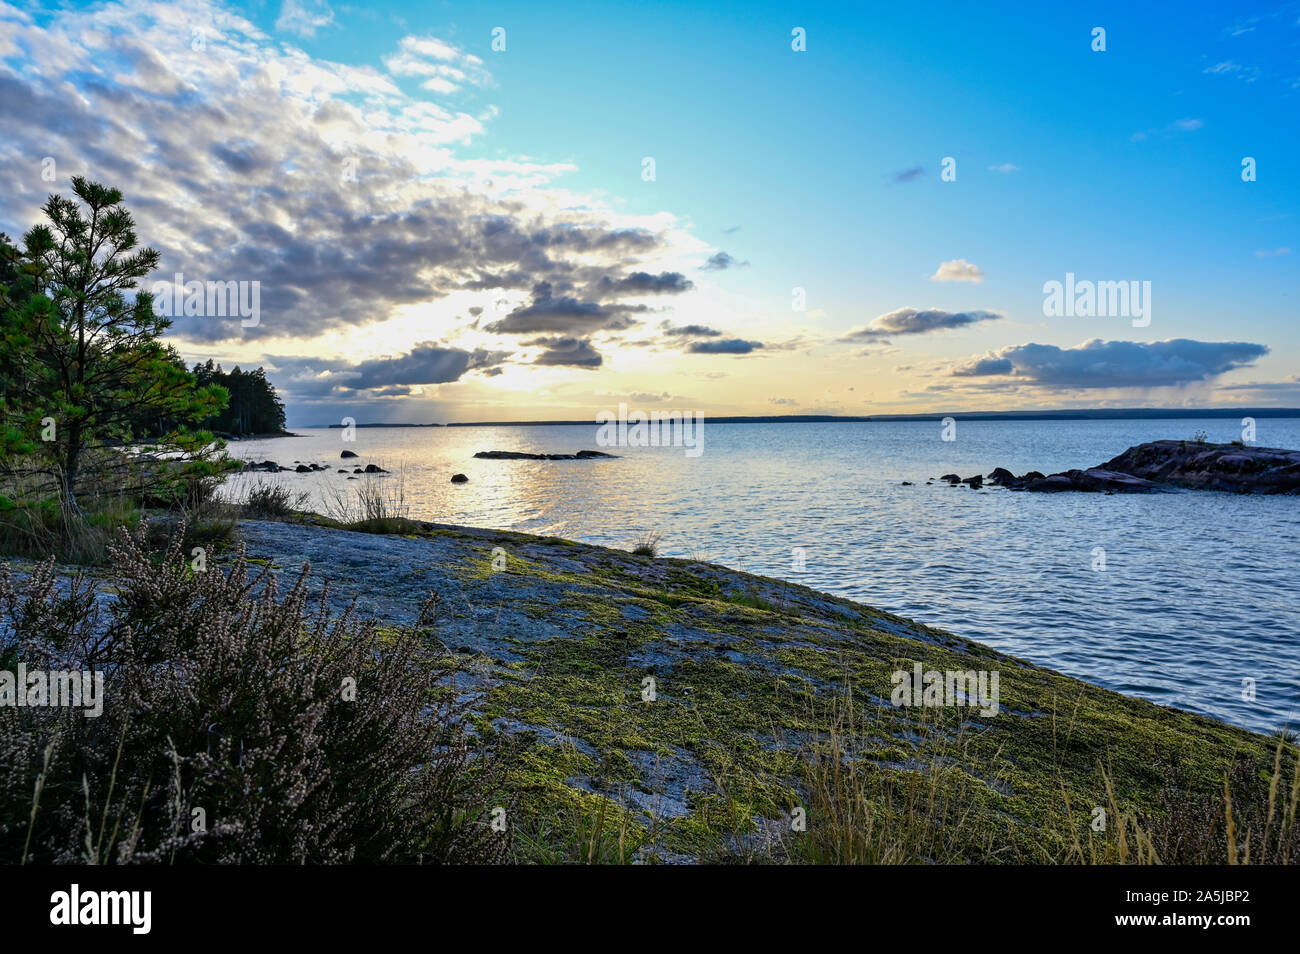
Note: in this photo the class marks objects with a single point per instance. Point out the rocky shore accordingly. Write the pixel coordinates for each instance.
(1162, 467)
(685, 697)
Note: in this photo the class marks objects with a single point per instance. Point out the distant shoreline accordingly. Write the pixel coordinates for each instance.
(1095, 414)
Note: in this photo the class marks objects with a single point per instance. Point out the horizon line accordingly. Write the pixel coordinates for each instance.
(1131, 413)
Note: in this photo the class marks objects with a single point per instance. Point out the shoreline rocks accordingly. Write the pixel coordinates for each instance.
(1164, 467)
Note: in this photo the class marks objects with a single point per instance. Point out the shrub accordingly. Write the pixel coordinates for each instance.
(228, 703)
(268, 500)
(648, 545)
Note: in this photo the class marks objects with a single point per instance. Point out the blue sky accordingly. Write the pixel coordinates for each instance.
(817, 169)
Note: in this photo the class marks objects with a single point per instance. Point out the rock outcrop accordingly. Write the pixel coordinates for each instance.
(1236, 468)
(1164, 466)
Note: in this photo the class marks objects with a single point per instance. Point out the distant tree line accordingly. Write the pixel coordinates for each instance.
(253, 408)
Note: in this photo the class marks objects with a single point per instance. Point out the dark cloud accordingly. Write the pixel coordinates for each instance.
(908, 175)
(720, 261)
(563, 313)
(306, 379)
(726, 346)
(918, 321)
(693, 331)
(567, 351)
(641, 283)
(1113, 364)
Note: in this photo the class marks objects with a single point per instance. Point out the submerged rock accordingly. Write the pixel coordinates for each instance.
(520, 455)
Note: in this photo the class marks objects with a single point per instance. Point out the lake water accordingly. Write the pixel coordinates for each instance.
(1197, 594)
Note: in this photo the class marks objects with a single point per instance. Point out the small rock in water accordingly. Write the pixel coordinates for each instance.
(347, 454)
(459, 479)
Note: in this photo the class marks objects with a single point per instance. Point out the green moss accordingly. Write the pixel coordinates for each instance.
(752, 680)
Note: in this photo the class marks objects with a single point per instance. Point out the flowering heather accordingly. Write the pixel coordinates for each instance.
(240, 725)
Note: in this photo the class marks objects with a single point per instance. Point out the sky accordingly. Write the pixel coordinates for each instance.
(514, 211)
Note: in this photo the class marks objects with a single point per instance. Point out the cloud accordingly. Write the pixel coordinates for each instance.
(564, 313)
(304, 17)
(567, 351)
(1113, 364)
(958, 270)
(1266, 253)
(1177, 126)
(441, 66)
(725, 346)
(693, 331)
(720, 261)
(642, 283)
(1247, 74)
(308, 380)
(908, 175)
(1006, 168)
(344, 197)
(913, 321)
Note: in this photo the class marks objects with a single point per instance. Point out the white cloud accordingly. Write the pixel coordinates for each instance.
(1006, 168)
(958, 270)
(444, 68)
(304, 17)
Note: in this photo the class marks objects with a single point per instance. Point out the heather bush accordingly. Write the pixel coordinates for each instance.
(271, 501)
(230, 731)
